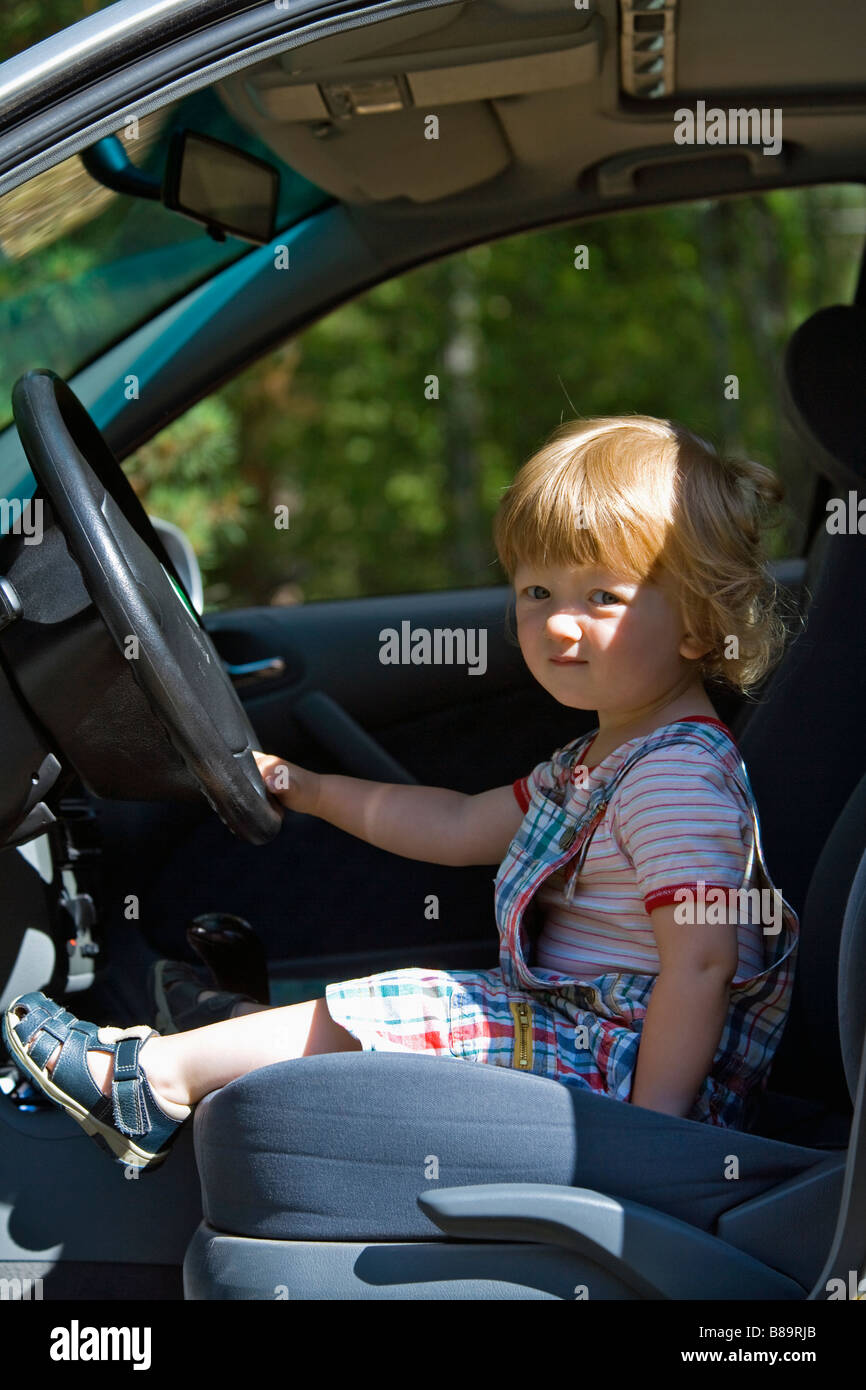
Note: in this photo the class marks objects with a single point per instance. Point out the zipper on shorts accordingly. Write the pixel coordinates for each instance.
(522, 1015)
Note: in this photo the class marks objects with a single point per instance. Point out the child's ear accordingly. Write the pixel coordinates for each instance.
(692, 649)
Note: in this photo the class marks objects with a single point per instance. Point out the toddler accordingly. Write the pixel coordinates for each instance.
(644, 952)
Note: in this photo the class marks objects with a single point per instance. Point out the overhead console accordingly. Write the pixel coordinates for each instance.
(557, 97)
(330, 108)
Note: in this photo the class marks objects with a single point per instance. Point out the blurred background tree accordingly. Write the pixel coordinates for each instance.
(25, 22)
(390, 491)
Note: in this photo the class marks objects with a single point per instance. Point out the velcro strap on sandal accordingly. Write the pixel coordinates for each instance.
(52, 1032)
(31, 1021)
(127, 1091)
(37, 1016)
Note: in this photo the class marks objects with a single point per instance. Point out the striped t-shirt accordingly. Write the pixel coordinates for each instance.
(676, 817)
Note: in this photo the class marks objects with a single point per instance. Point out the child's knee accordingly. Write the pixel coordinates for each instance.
(326, 1035)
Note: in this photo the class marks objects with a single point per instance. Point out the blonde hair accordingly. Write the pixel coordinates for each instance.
(654, 502)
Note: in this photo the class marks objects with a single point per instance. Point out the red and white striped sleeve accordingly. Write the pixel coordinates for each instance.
(679, 818)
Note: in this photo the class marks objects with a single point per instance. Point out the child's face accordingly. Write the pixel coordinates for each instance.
(629, 637)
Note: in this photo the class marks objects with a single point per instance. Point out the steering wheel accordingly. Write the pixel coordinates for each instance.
(138, 595)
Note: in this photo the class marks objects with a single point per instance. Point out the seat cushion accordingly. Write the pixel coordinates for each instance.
(339, 1146)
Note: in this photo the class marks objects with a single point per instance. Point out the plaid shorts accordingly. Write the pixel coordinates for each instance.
(477, 1016)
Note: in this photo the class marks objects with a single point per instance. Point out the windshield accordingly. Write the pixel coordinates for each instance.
(81, 266)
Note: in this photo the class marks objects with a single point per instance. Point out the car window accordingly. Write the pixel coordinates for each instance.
(81, 266)
(368, 456)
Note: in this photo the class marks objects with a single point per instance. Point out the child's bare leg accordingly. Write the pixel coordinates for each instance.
(184, 1067)
(187, 1066)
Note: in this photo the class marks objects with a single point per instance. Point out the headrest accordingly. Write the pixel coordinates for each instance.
(824, 376)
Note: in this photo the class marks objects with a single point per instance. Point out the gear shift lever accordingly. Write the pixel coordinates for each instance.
(232, 952)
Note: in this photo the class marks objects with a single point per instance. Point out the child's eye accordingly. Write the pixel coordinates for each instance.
(545, 593)
(607, 597)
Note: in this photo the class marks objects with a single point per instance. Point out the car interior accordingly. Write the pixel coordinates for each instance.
(126, 812)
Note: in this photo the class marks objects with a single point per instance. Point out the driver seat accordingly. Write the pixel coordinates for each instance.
(342, 1176)
(395, 1176)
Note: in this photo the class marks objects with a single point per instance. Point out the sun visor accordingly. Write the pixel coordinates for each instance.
(332, 108)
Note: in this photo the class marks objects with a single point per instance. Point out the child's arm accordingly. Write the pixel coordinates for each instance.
(686, 1011)
(432, 824)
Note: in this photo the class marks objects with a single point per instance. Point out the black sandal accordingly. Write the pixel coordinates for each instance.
(130, 1124)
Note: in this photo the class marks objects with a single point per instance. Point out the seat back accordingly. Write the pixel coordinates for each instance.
(805, 743)
(819, 1055)
(852, 964)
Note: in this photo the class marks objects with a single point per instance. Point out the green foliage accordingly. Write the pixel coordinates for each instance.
(26, 22)
(389, 491)
(188, 474)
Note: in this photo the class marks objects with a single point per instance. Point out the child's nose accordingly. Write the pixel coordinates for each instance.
(565, 625)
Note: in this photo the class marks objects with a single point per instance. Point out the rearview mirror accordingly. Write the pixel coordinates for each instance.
(223, 187)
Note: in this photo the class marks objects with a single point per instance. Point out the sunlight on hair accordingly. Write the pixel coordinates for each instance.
(653, 502)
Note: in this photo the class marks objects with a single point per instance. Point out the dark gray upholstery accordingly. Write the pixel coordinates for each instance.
(852, 972)
(824, 370)
(809, 1060)
(805, 744)
(335, 1147)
